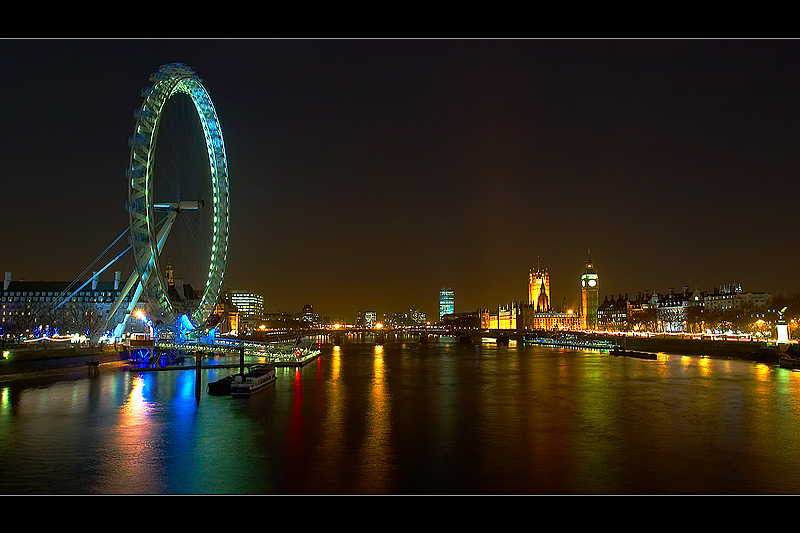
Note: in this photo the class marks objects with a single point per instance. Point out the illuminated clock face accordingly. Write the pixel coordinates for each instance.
(592, 282)
(583, 283)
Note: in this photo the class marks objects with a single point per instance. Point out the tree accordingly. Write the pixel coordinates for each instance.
(51, 319)
(19, 321)
(85, 318)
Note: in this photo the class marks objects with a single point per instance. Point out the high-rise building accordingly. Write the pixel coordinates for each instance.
(590, 286)
(248, 303)
(446, 301)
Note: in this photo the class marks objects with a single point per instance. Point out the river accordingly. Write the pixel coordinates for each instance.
(411, 418)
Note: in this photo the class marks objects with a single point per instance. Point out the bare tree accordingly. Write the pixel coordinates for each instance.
(19, 321)
(85, 318)
(49, 317)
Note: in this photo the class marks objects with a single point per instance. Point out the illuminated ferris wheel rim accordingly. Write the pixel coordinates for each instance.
(147, 240)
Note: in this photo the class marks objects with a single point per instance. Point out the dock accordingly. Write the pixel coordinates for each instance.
(285, 362)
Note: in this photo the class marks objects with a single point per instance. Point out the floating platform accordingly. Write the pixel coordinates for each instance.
(571, 343)
(133, 368)
(632, 353)
(296, 361)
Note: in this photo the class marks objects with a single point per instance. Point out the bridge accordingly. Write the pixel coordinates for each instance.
(423, 332)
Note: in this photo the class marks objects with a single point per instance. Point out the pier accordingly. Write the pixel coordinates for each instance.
(279, 363)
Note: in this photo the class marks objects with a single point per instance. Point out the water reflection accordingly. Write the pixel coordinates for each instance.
(295, 453)
(132, 450)
(5, 401)
(374, 454)
(332, 450)
(413, 418)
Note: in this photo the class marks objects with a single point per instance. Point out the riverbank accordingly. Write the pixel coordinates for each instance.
(750, 350)
(686, 345)
(38, 362)
(747, 350)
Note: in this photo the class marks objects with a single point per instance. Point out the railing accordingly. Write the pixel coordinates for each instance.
(272, 352)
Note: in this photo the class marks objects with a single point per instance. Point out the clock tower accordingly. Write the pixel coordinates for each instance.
(589, 295)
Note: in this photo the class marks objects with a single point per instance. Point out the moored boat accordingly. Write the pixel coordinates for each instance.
(258, 378)
(633, 353)
(766, 355)
(789, 362)
(466, 339)
(221, 387)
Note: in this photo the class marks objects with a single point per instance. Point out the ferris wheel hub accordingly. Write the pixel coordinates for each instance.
(186, 205)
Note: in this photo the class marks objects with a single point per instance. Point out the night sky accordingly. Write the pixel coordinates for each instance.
(365, 174)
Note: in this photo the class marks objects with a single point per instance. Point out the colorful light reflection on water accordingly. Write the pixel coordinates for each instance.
(408, 418)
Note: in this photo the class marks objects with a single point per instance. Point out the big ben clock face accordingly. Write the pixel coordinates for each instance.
(592, 282)
(583, 283)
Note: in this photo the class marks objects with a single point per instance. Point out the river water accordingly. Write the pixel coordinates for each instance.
(411, 418)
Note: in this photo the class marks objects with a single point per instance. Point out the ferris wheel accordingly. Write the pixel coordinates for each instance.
(156, 210)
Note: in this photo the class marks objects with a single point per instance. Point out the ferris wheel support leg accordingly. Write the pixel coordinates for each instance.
(160, 239)
(122, 295)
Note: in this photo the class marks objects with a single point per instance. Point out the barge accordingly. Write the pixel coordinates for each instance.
(633, 353)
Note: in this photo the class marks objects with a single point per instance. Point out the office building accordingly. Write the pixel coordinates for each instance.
(249, 304)
(446, 302)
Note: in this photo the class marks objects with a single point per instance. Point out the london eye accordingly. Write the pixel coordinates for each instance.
(178, 203)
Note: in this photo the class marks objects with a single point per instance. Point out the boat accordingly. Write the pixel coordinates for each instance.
(466, 339)
(221, 387)
(766, 355)
(633, 353)
(789, 362)
(256, 379)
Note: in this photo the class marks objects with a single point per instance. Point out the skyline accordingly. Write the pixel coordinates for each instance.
(374, 172)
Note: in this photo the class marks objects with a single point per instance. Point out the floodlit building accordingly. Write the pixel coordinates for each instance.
(35, 307)
(538, 314)
(539, 290)
(227, 315)
(506, 317)
(248, 303)
(446, 301)
(733, 297)
(590, 286)
(612, 313)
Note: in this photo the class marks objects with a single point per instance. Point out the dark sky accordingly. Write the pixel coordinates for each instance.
(365, 174)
